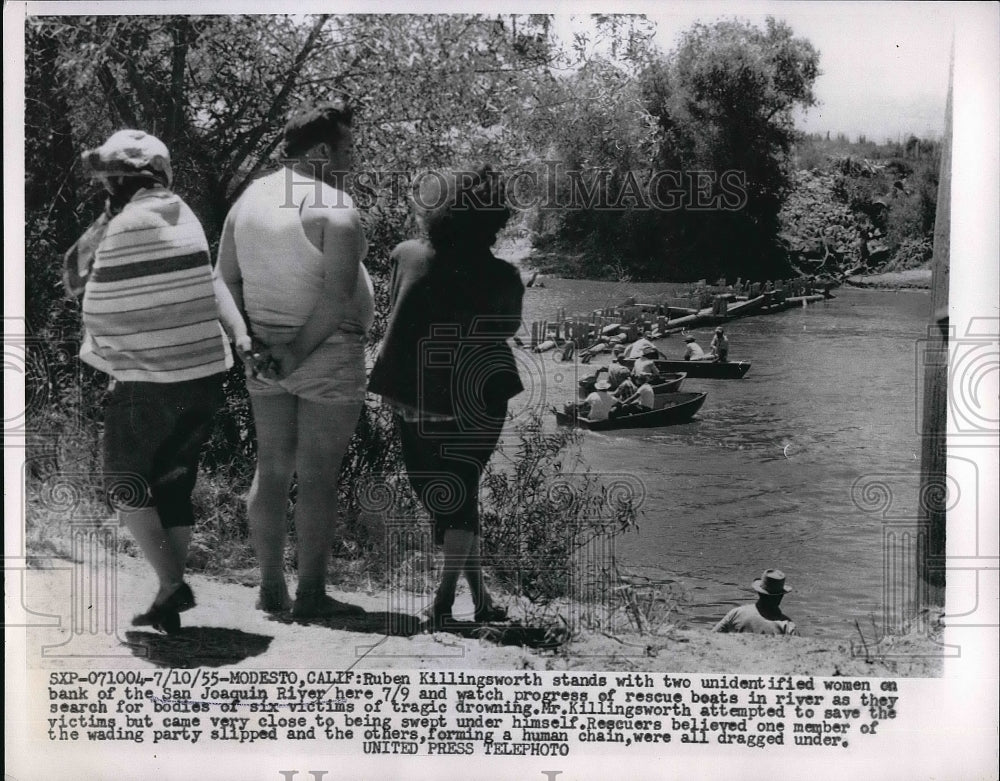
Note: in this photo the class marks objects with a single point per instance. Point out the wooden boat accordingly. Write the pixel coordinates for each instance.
(673, 408)
(704, 369)
(667, 383)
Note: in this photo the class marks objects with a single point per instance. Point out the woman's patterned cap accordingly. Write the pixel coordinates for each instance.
(130, 153)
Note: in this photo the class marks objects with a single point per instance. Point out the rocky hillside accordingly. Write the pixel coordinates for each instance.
(858, 216)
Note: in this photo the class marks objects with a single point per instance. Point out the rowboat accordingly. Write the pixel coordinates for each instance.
(705, 369)
(672, 408)
(665, 383)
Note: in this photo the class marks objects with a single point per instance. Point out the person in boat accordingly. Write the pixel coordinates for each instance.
(638, 348)
(625, 389)
(693, 351)
(644, 368)
(616, 370)
(599, 403)
(764, 617)
(643, 400)
(720, 345)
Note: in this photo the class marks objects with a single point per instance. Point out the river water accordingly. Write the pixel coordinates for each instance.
(770, 472)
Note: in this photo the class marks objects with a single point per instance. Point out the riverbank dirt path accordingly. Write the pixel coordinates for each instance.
(225, 630)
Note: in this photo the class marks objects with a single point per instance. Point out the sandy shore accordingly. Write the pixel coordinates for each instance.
(226, 630)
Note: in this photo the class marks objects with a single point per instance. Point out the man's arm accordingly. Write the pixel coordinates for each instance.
(511, 302)
(726, 624)
(342, 243)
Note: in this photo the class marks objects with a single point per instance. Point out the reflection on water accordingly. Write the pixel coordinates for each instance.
(763, 476)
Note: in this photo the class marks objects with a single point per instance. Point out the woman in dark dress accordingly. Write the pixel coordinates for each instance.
(446, 367)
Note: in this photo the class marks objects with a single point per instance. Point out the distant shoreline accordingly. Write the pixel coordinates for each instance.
(518, 252)
(911, 279)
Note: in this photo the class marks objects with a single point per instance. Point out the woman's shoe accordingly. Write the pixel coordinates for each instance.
(160, 617)
(182, 599)
(439, 622)
(169, 621)
(165, 616)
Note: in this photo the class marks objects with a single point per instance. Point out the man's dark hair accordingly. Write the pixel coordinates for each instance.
(316, 125)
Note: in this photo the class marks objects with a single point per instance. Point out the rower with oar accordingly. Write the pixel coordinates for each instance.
(642, 400)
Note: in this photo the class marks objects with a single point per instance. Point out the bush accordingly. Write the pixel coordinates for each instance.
(544, 515)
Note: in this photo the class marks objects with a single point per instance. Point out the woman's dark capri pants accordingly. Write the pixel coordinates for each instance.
(444, 462)
(153, 435)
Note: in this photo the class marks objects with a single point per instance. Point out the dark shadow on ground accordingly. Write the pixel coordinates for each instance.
(537, 637)
(197, 646)
(376, 623)
(405, 625)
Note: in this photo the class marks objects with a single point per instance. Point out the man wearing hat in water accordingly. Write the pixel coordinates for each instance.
(763, 617)
(720, 345)
(693, 351)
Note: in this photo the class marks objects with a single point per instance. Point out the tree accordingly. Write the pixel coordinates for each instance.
(599, 144)
(723, 100)
(705, 132)
(429, 91)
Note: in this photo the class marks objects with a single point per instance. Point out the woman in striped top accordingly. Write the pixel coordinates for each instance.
(152, 308)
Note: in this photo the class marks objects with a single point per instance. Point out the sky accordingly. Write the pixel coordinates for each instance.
(884, 66)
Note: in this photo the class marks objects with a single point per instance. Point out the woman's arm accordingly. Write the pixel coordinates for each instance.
(227, 267)
(511, 306)
(227, 281)
(79, 259)
(231, 317)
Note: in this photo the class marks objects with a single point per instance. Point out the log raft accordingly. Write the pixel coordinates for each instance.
(627, 322)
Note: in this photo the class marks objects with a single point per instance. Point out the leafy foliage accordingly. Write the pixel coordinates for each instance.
(721, 102)
(430, 91)
(542, 511)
